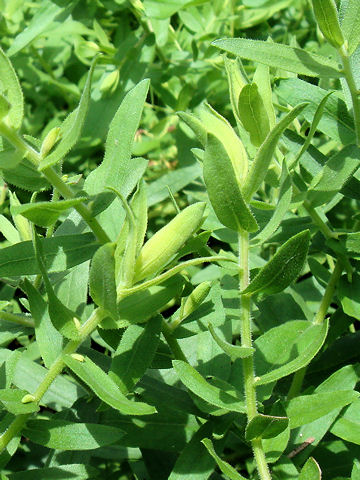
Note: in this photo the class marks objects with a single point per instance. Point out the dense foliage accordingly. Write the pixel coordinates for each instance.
(180, 239)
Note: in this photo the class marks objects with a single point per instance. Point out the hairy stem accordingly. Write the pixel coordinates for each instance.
(248, 363)
(50, 174)
(172, 342)
(350, 80)
(298, 378)
(56, 368)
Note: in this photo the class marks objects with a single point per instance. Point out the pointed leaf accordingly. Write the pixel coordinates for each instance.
(310, 471)
(261, 163)
(328, 21)
(11, 87)
(45, 213)
(224, 190)
(300, 336)
(252, 114)
(211, 394)
(233, 351)
(347, 426)
(71, 127)
(283, 268)
(135, 353)
(265, 426)
(105, 388)
(102, 279)
(64, 435)
(307, 408)
(225, 467)
(281, 56)
(350, 25)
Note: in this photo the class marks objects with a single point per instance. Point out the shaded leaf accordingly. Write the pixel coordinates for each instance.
(265, 426)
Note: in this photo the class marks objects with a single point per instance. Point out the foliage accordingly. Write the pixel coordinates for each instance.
(186, 307)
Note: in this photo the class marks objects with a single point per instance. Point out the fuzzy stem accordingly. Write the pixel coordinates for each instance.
(172, 342)
(49, 173)
(350, 80)
(299, 376)
(248, 363)
(89, 326)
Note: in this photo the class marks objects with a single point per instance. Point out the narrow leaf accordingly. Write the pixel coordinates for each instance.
(350, 25)
(252, 114)
(102, 279)
(265, 426)
(281, 56)
(224, 190)
(307, 408)
(261, 163)
(45, 213)
(135, 353)
(105, 388)
(211, 394)
(64, 435)
(308, 341)
(71, 128)
(225, 467)
(62, 472)
(11, 87)
(328, 21)
(283, 268)
(233, 351)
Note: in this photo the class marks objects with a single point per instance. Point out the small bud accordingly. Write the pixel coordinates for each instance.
(51, 138)
(77, 323)
(196, 298)
(110, 82)
(28, 398)
(78, 357)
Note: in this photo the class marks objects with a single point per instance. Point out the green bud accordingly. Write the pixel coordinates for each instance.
(196, 298)
(328, 20)
(78, 357)
(162, 246)
(110, 82)
(28, 398)
(49, 141)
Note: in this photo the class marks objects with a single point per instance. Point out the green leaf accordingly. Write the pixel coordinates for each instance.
(310, 471)
(347, 426)
(224, 190)
(135, 353)
(105, 388)
(165, 243)
(118, 169)
(71, 128)
(287, 58)
(26, 176)
(211, 394)
(233, 351)
(61, 472)
(349, 295)
(259, 167)
(102, 279)
(265, 426)
(252, 114)
(328, 21)
(11, 87)
(283, 268)
(282, 207)
(334, 175)
(45, 213)
(60, 253)
(307, 408)
(11, 399)
(64, 435)
(350, 23)
(303, 341)
(225, 467)
(236, 81)
(355, 473)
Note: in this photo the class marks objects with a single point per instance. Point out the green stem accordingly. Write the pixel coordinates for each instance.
(327, 232)
(16, 426)
(172, 342)
(49, 173)
(350, 80)
(248, 363)
(298, 378)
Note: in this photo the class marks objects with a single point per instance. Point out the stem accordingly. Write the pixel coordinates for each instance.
(350, 80)
(49, 173)
(326, 231)
(18, 318)
(172, 342)
(248, 363)
(299, 376)
(16, 426)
